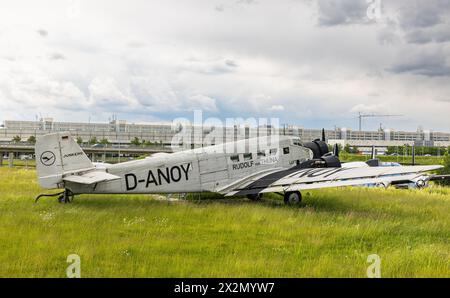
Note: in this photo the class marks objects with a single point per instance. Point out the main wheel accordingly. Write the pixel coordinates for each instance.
(421, 183)
(254, 197)
(292, 198)
(381, 185)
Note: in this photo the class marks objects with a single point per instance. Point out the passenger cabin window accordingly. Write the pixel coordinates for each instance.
(234, 158)
(247, 156)
(286, 150)
(261, 154)
(273, 151)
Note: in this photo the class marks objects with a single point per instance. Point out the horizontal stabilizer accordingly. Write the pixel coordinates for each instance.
(91, 177)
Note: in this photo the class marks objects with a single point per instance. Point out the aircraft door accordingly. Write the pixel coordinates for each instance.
(213, 171)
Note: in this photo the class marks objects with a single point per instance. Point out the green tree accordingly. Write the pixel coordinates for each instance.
(135, 141)
(16, 139)
(446, 169)
(347, 148)
(104, 141)
(147, 143)
(79, 141)
(32, 140)
(93, 140)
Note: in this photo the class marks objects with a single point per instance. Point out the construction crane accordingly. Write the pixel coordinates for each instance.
(361, 116)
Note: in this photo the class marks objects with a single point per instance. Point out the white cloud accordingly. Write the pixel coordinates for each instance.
(202, 102)
(105, 92)
(276, 108)
(314, 63)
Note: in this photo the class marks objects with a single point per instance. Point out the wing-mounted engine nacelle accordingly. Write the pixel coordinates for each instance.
(319, 148)
(331, 161)
(322, 157)
(328, 161)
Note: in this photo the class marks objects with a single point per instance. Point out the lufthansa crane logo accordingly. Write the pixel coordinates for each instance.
(48, 158)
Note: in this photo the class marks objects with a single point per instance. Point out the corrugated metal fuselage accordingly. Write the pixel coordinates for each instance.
(201, 170)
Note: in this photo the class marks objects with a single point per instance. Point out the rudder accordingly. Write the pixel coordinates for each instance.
(58, 154)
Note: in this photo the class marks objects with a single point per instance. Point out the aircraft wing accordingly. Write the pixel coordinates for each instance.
(90, 177)
(296, 179)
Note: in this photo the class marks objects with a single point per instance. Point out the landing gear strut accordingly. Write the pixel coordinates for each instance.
(292, 198)
(65, 196)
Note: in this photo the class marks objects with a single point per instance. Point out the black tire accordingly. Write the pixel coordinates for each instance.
(61, 199)
(293, 198)
(254, 197)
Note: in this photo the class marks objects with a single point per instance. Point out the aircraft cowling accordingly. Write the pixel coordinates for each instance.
(319, 148)
(329, 161)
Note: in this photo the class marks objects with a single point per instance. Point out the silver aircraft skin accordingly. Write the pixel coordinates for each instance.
(249, 167)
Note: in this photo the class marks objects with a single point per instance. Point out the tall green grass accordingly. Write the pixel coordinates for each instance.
(330, 235)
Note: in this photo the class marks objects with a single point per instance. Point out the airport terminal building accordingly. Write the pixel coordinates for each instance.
(122, 132)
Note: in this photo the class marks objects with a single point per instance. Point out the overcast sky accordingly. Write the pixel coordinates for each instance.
(312, 63)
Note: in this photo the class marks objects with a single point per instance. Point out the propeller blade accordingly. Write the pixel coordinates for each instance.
(373, 153)
(323, 135)
(336, 150)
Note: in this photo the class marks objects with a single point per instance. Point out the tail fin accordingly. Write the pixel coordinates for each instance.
(58, 154)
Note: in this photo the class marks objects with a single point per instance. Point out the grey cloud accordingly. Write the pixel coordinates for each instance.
(136, 44)
(42, 32)
(422, 22)
(430, 65)
(334, 12)
(231, 63)
(438, 34)
(57, 56)
(247, 2)
(219, 8)
(270, 48)
(211, 66)
(222, 7)
(422, 14)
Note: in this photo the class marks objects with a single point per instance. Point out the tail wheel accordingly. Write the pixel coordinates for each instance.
(292, 198)
(254, 197)
(66, 197)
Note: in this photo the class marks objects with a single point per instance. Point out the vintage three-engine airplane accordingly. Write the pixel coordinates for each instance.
(251, 167)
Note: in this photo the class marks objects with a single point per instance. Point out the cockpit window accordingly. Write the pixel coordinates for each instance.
(296, 142)
(234, 158)
(247, 156)
(261, 154)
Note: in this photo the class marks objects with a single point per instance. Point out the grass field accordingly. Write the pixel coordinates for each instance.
(330, 235)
